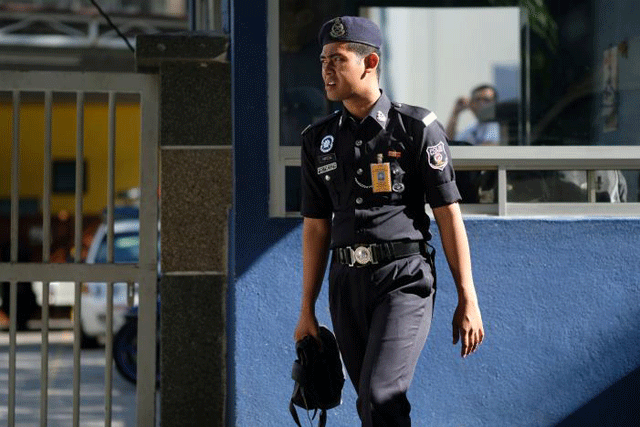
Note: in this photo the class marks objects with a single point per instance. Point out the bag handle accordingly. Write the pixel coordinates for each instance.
(322, 420)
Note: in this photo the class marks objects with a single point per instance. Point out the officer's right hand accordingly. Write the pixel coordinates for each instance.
(307, 325)
(461, 104)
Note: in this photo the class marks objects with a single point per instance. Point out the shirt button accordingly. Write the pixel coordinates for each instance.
(358, 143)
(327, 178)
(359, 200)
(359, 171)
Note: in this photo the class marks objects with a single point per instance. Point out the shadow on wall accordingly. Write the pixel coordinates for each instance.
(616, 406)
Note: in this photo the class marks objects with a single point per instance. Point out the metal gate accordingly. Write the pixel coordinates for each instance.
(15, 85)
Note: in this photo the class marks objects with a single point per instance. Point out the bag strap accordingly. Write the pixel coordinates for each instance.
(294, 414)
(322, 420)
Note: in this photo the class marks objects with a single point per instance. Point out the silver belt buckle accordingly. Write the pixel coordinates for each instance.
(361, 255)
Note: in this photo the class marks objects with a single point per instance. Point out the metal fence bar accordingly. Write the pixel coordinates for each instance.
(502, 191)
(46, 253)
(108, 354)
(108, 380)
(591, 186)
(25, 272)
(111, 175)
(79, 175)
(130, 294)
(15, 177)
(77, 332)
(146, 374)
(71, 81)
(13, 329)
(13, 286)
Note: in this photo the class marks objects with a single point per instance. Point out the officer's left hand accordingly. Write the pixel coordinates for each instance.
(467, 327)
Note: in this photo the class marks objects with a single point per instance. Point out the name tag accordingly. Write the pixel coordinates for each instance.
(381, 177)
(327, 168)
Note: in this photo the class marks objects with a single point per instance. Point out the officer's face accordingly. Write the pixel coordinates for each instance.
(343, 71)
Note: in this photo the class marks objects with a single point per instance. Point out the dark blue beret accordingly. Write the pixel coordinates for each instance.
(350, 29)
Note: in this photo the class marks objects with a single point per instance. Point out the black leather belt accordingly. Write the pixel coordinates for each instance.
(364, 254)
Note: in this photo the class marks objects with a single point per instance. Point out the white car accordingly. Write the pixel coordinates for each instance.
(61, 294)
(93, 311)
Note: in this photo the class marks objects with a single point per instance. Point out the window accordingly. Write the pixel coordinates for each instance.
(26, 207)
(64, 177)
(126, 247)
(564, 79)
(435, 57)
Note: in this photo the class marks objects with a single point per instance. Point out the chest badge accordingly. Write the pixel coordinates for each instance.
(393, 153)
(381, 117)
(381, 176)
(327, 144)
(437, 156)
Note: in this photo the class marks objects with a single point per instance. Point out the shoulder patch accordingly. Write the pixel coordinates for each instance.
(437, 156)
(321, 121)
(417, 113)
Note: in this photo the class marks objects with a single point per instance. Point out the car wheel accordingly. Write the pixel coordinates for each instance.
(125, 351)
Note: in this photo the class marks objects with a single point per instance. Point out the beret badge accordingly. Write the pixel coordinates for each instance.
(337, 29)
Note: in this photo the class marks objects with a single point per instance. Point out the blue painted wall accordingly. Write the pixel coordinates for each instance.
(561, 306)
(560, 299)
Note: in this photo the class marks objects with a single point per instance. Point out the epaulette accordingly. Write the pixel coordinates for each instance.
(418, 113)
(320, 121)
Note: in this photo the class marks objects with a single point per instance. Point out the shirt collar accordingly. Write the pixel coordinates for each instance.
(379, 112)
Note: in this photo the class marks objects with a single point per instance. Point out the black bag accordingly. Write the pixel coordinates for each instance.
(318, 376)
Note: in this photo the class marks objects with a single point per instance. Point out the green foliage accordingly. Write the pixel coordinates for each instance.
(540, 20)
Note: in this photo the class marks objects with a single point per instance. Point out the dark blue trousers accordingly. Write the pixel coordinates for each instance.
(381, 317)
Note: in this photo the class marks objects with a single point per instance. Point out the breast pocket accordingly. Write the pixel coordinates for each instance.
(328, 173)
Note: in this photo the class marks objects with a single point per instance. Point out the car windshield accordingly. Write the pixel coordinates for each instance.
(126, 248)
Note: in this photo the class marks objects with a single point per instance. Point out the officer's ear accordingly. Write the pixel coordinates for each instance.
(371, 62)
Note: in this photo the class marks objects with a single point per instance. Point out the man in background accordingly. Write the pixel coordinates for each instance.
(482, 105)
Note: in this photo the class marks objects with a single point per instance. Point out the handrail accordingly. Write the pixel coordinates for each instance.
(534, 158)
(510, 158)
(583, 157)
(519, 157)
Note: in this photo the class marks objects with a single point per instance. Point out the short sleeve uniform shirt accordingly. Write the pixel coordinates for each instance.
(401, 149)
(481, 133)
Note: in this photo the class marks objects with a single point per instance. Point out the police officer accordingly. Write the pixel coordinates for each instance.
(367, 172)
